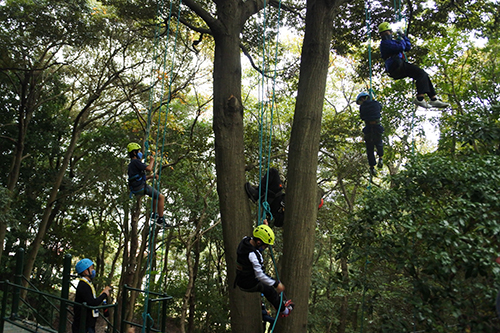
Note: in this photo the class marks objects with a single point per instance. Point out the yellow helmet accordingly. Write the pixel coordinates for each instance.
(384, 26)
(264, 233)
(133, 146)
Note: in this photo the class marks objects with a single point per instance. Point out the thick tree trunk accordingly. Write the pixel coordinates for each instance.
(230, 161)
(301, 198)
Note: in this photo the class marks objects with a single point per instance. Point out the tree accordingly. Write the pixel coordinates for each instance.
(31, 37)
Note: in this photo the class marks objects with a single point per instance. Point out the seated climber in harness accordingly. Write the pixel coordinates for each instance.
(137, 180)
(369, 112)
(250, 274)
(392, 51)
(272, 188)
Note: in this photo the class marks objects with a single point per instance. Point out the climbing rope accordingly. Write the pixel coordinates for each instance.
(262, 111)
(156, 182)
(369, 37)
(263, 104)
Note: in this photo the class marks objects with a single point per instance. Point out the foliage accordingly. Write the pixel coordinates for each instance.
(413, 252)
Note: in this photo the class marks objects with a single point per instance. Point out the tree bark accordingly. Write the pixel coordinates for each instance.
(301, 198)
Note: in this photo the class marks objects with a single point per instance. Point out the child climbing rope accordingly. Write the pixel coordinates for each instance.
(369, 111)
(250, 275)
(137, 180)
(392, 51)
(85, 293)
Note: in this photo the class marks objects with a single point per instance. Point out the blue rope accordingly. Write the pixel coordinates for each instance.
(262, 114)
(368, 32)
(156, 184)
(281, 294)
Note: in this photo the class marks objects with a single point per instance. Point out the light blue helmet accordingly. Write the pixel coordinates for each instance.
(362, 94)
(82, 265)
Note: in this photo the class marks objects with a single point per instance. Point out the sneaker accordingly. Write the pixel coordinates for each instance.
(160, 222)
(288, 306)
(421, 103)
(252, 192)
(438, 104)
(380, 163)
(373, 172)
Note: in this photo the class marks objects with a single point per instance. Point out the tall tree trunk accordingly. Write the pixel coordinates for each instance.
(345, 299)
(301, 198)
(192, 296)
(230, 161)
(27, 99)
(37, 242)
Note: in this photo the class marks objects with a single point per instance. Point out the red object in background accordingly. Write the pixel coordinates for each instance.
(321, 205)
(498, 260)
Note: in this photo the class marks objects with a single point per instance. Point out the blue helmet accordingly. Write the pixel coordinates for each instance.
(362, 94)
(82, 265)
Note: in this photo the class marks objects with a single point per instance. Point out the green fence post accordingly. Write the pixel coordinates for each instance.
(148, 319)
(4, 305)
(17, 281)
(83, 318)
(63, 310)
(163, 315)
(115, 318)
(124, 307)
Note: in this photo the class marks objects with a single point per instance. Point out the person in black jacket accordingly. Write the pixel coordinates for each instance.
(392, 51)
(250, 274)
(137, 180)
(369, 111)
(85, 293)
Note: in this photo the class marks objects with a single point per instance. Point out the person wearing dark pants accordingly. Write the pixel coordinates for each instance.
(392, 51)
(369, 112)
(85, 293)
(250, 275)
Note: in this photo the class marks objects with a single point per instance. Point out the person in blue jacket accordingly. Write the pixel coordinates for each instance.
(369, 112)
(392, 51)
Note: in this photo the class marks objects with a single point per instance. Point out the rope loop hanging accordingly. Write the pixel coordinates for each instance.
(159, 156)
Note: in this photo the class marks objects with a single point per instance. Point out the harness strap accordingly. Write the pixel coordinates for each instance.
(95, 312)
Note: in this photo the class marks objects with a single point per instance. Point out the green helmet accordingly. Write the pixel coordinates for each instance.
(264, 233)
(133, 146)
(384, 26)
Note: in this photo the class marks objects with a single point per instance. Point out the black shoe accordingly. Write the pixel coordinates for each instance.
(160, 222)
(252, 192)
(373, 172)
(380, 163)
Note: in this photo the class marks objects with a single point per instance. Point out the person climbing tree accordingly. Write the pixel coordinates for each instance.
(137, 180)
(250, 274)
(369, 111)
(85, 292)
(392, 51)
(271, 190)
(266, 316)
